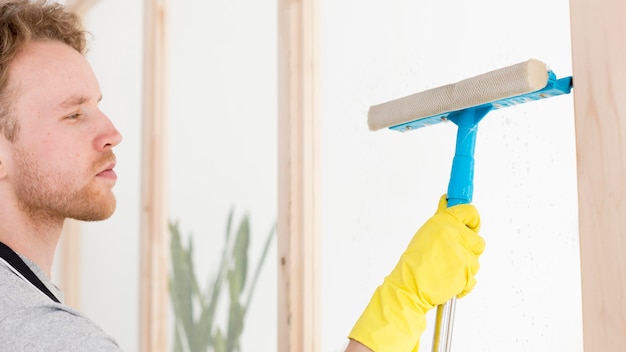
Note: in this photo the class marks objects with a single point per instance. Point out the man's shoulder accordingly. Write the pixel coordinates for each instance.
(16, 293)
(29, 318)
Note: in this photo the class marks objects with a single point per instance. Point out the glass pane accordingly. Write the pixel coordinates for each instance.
(379, 187)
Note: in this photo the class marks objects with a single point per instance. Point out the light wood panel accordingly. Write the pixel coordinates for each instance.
(71, 262)
(298, 177)
(154, 245)
(599, 67)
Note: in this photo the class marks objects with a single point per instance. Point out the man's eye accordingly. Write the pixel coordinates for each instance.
(73, 116)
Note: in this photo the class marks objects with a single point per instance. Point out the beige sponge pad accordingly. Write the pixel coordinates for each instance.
(521, 78)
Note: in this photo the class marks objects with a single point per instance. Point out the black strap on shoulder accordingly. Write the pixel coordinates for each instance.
(18, 264)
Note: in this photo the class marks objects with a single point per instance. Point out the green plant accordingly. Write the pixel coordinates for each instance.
(195, 326)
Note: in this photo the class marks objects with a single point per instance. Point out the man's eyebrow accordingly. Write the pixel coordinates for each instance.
(74, 101)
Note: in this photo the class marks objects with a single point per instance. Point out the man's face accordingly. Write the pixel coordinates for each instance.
(62, 160)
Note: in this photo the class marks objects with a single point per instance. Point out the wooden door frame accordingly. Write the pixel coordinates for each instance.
(298, 177)
(598, 56)
(154, 237)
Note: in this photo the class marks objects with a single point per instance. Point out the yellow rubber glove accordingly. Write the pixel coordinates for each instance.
(439, 263)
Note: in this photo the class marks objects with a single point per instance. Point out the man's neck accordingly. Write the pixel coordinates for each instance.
(34, 239)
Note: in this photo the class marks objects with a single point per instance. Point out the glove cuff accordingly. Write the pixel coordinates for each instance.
(392, 321)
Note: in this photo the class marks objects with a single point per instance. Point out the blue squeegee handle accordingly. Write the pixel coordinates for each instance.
(460, 191)
(461, 185)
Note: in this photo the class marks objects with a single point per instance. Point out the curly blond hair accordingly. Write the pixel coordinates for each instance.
(22, 21)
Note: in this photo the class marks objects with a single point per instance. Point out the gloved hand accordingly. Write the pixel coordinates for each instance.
(439, 263)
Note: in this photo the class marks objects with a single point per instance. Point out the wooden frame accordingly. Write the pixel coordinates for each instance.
(70, 268)
(298, 177)
(154, 233)
(598, 54)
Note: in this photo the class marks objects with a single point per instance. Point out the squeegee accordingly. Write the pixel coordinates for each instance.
(465, 103)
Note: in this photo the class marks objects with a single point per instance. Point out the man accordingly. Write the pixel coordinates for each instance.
(439, 264)
(56, 162)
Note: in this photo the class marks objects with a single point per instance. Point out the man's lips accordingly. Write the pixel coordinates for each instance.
(108, 172)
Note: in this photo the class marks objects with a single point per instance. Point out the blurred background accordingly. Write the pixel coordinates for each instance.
(377, 188)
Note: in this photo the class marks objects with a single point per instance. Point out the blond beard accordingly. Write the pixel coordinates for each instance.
(47, 195)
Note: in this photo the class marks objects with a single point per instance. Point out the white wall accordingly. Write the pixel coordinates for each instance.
(379, 187)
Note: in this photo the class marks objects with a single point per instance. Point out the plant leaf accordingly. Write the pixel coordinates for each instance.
(220, 342)
(235, 326)
(257, 273)
(240, 259)
(178, 344)
(207, 315)
(180, 282)
(197, 335)
(204, 339)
